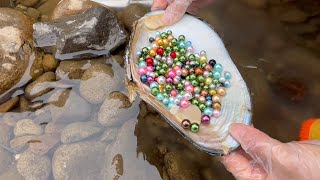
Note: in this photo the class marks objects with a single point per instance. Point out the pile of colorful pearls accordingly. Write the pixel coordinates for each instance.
(178, 76)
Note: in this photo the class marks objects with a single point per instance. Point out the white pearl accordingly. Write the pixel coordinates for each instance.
(155, 62)
(187, 83)
(161, 80)
(190, 49)
(152, 74)
(176, 101)
(188, 96)
(176, 80)
(206, 73)
(158, 57)
(212, 86)
(222, 79)
(163, 59)
(197, 56)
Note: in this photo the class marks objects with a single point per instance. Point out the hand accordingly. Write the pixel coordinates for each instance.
(262, 157)
(175, 9)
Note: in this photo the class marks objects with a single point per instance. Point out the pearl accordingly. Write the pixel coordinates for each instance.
(188, 96)
(149, 61)
(205, 119)
(184, 72)
(185, 124)
(202, 99)
(218, 67)
(158, 33)
(161, 80)
(212, 92)
(160, 97)
(169, 80)
(174, 41)
(154, 91)
(181, 45)
(142, 71)
(227, 75)
(139, 53)
(155, 62)
(178, 72)
(208, 111)
(206, 74)
(174, 92)
(208, 67)
(145, 50)
(204, 93)
(170, 37)
(195, 127)
(227, 84)
(203, 59)
(152, 53)
(197, 90)
(163, 59)
(202, 107)
(197, 96)
(144, 78)
(198, 71)
(172, 73)
(170, 105)
(179, 96)
(222, 79)
(160, 51)
(176, 101)
(216, 99)
(203, 53)
(186, 83)
(182, 38)
(149, 47)
(197, 56)
(212, 86)
(142, 64)
(160, 42)
(221, 91)
(190, 49)
(217, 106)
(158, 57)
(216, 113)
(171, 99)
(173, 55)
(176, 80)
(208, 81)
(208, 103)
(165, 43)
(154, 85)
(151, 39)
(150, 79)
(212, 62)
(216, 75)
(195, 102)
(189, 88)
(165, 101)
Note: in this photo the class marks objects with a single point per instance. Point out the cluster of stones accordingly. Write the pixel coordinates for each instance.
(178, 76)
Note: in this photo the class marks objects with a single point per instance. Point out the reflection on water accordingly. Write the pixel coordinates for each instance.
(82, 132)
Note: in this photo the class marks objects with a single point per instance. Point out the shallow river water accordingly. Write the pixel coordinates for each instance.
(74, 130)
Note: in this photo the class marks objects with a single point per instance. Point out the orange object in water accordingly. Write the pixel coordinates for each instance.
(310, 130)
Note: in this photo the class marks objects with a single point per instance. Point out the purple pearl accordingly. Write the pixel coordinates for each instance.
(188, 62)
(169, 80)
(205, 119)
(150, 79)
(186, 83)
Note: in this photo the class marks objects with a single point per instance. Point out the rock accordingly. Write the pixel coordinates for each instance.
(71, 7)
(16, 47)
(90, 34)
(21, 7)
(256, 3)
(5, 158)
(49, 63)
(97, 83)
(6, 3)
(40, 86)
(143, 109)
(11, 173)
(74, 69)
(42, 144)
(5, 133)
(20, 143)
(24, 104)
(76, 109)
(78, 161)
(54, 128)
(177, 168)
(132, 13)
(11, 118)
(47, 7)
(116, 109)
(28, 3)
(32, 166)
(293, 15)
(118, 58)
(60, 97)
(36, 68)
(78, 131)
(44, 18)
(122, 160)
(27, 127)
(7, 106)
(43, 116)
(34, 13)
(109, 135)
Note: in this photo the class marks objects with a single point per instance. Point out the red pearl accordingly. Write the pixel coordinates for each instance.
(149, 61)
(160, 51)
(173, 54)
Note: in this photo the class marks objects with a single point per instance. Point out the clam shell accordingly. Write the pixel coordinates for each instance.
(236, 105)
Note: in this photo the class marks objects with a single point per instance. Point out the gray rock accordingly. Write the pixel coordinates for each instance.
(122, 160)
(97, 83)
(109, 135)
(78, 161)
(76, 109)
(40, 86)
(43, 116)
(16, 48)
(116, 109)
(42, 144)
(5, 158)
(11, 118)
(78, 131)
(34, 167)
(27, 127)
(90, 34)
(11, 173)
(5, 133)
(20, 143)
(54, 128)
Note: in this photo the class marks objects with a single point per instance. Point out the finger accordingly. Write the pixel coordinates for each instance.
(195, 6)
(256, 143)
(159, 4)
(175, 11)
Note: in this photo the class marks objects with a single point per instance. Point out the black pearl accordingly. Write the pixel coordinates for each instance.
(212, 62)
(185, 124)
(151, 40)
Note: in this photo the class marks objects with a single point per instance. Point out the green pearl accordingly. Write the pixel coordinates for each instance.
(182, 38)
(165, 54)
(195, 102)
(201, 79)
(203, 65)
(202, 107)
(174, 41)
(168, 87)
(176, 60)
(194, 83)
(145, 50)
(206, 87)
(175, 48)
(169, 32)
(193, 77)
(164, 35)
(142, 59)
(164, 66)
(182, 51)
(195, 127)
(197, 64)
(187, 67)
(182, 58)
(156, 74)
(192, 57)
(215, 81)
(180, 86)
(154, 91)
(168, 49)
(182, 92)
(197, 89)
(162, 71)
(188, 78)
(166, 95)
(158, 68)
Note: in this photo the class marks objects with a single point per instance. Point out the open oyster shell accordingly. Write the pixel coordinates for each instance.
(236, 105)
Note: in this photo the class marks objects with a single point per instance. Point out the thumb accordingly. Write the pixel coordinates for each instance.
(175, 11)
(254, 142)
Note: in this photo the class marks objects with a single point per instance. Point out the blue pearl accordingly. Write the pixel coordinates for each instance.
(227, 84)
(182, 45)
(154, 85)
(208, 103)
(171, 99)
(142, 64)
(160, 97)
(208, 111)
(218, 67)
(188, 44)
(144, 78)
(227, 75)
(208, 97)
(139, 54)
(170, 105)
(179, 96)
(216, 75)
(165, 101)
(158, 33)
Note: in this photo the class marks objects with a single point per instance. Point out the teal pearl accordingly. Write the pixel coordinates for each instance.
(145, 50)
(175, 48)
(169, 87)
(158, 33)
(227, 75)
(197, 90)
(169, 32)
(164, 35)
(182, 58)
(170, 105)
(166, 95)
(182, 45)
(201, 79)
(154, 91)
(160, 97)
(154, 85)
(182, 51)
(216, 75)
(192, 57)
(179, 96)
(182, 38)
(165, 101)
(195, 102)
(165, 66)
(174, 41)
(162, 71)
(194, 83)
(142, 64)
(142, 59)
(202, 107)
(188, 44)
(217, 67)
(227, 84)
(193, 77)
(180, 86)
(208, 111)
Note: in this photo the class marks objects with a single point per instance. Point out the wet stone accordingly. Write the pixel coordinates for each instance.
(78, 131)
(36, 68)
(78, 161)
(43, 116)
(132, 13)
(20, 143)
(71, 7)
(49, 63)
(40, 86)
(27, 127)
(33, 166)
(28, 3)
(5, 107)
(109, 135)
(90, 34)
(24, 104)
(42, 144)
(11, 173)
(11, 118)
(5, 158)
(53, 128)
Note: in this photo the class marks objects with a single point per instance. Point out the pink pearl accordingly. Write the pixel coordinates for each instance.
(176, 67)
(174, 92)
(189, 88)
(169, 61)
(206, 74)
(188, 62)
(179, 72)
(184, 103)
(202, 99)
(172, 73)
(197, 95)
(216, 113)
(150, 68)
(184, 72)
(176, 80)
(142, 71)
(190, 49)
(169, 80)
(150, 79)
(154, 46)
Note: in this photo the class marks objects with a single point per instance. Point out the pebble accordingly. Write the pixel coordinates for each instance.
(11, 118)
(34, 167)
(28, 3)
(34, 13)
(39, 86)
(71, 7)
(78, 131)
(109, 135)
(49, 63)
(53, 128)
(82, 160)
(27, 127)
(6, 159)
(36, 68)
(7, 106)
(132, 13)
(24, 104)
(20, 143)
(44, 143)
(116, 109)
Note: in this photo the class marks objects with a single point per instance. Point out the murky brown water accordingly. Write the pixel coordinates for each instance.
(276, 48)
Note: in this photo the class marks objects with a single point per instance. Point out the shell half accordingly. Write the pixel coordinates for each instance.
(236, 105)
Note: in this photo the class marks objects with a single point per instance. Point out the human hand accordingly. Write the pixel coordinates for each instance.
(262, 157)
(175, 9)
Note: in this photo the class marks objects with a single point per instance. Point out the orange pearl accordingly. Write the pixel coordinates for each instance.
(160, 42)
(217, 106)
(208, 67)
(199, 71)
(216, 99)
(221, 91)
(152, 53)
(204, 93)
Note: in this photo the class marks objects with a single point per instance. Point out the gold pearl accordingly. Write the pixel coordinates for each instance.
(221, 91)
(161, 88)
(160, 42)
(212, 92)
(208, 81)
(165, 43)
(158, 38)
(152, 53)
(217, 106)
(203, 59)
(216, 99)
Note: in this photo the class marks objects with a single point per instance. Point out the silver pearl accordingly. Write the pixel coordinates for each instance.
(222, 79)
(203, 53)
(188, 96)
(152, 74)
(176, 101)
(155, 62)
(139, 53)
(158, 57)
(197, 56)
(161, 80)
(212, 86)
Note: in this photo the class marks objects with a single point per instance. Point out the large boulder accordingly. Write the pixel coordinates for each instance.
(90, 34)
